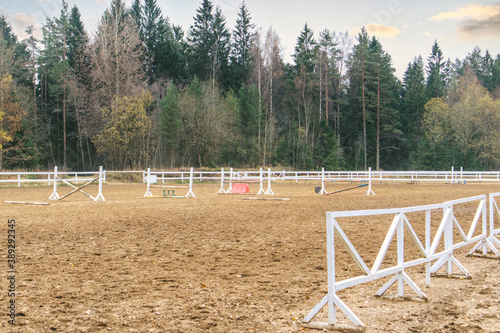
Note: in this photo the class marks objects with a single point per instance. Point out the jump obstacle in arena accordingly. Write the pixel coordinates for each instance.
(435, 251)
(99, 178)
(323, 191)
(168, 190)
(232, 178)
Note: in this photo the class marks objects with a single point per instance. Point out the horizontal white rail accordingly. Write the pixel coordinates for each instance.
(462, 177)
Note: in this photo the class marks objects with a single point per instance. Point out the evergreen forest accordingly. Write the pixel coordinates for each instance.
(140, 92)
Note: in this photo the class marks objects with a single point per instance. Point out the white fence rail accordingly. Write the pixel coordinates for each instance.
(253, 175)
(436, 252)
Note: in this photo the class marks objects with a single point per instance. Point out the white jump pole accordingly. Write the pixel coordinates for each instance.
(261, 178)
(190, 192)
(269, 190)
(230, 189)
(323, 191)
(148, 179)
(55, 195)
(100, 197)
(222, 191)
(369, 192)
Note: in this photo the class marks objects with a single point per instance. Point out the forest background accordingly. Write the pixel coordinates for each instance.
(140, 92)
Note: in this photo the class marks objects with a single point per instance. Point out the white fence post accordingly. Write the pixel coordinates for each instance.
(100, 197)
(323, 191)
(261, 181)
(222, 191)
(148, 179)
(269, 190)
(190, 192)
(55, 195)
(370, 192)
(230, 189)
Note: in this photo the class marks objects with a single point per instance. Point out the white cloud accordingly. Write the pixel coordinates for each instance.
(476, 21)
(474, 12)
(378, 30)
(21, 21)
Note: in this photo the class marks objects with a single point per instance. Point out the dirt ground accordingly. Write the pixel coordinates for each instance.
(219, 263)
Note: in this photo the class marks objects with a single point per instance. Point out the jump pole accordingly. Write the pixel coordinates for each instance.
(190, 192)
(230, 189)
(269, 190)
(222, 191)
(370, 192)
(148, 179)
(102, 175)
(261, 178)
(55, 195)
(323, 191)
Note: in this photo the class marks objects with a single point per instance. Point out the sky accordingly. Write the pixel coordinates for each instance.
(406, 28)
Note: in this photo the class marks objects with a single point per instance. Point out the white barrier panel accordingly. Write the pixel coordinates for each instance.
(428, 252)
(494, 231)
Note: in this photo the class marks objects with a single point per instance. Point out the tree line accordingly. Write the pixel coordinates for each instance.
(141, 92)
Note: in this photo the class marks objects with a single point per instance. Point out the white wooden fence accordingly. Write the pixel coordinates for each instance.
(436, 252)
(451, 176)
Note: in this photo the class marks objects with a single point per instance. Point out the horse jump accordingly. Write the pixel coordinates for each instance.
(151, 179)
(99, 197)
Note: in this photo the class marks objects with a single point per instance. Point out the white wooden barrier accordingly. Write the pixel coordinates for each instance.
(427, 248)
(494, 229)
(100, 178)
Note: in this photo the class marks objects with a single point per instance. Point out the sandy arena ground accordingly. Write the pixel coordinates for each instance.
(219, 263)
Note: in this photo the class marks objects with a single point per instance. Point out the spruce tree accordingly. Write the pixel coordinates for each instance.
(359, 80)
(200, 41)
(219, 51)
(413, 104)
(241, 56)
(435, 73)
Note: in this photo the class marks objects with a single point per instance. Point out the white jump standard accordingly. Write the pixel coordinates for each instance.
(151, 179)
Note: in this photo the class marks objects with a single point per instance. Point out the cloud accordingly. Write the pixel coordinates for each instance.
(379, 30)
(475, 20)
(21, 21)
(471, 12)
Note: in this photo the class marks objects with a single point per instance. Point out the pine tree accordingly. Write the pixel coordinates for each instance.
(413, 104)
(219, 51)
(57, 70)
(305, 50)
(385, 103)
(170, 123)
(241, 56)
(435, 73)
(200, 41)
(359, 79)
